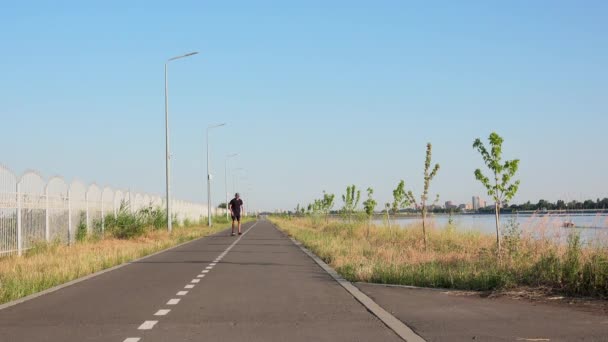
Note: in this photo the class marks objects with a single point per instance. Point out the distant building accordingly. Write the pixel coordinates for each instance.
(450, 205)
(475, 201)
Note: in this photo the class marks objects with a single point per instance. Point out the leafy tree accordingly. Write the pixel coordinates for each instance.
(500, 187)
(429, 174)
(222, 206)
(327, 203)
(387, 206)
(400, 200)
(369, 205)
(351, 201)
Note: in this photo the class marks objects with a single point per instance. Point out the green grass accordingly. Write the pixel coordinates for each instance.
(454, 259)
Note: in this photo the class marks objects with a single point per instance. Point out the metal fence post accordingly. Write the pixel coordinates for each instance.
(47, 229)
(19, 233)
(86, 205)
(70, 234)
(102, 215)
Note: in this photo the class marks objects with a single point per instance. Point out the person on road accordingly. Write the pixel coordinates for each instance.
(235, 206)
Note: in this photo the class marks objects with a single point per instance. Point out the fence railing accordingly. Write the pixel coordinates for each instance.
(32, 209)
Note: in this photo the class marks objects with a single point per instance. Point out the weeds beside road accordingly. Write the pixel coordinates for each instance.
(453, 259)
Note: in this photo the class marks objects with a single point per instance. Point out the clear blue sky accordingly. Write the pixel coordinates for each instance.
(316, 94)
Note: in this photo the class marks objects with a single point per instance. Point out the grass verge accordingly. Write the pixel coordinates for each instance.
(51, 264)
(454, 259)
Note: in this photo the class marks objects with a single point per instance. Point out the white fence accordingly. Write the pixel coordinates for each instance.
(32, 209)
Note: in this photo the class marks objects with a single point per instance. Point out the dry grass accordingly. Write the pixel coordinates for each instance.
(454, 259)
(49, 265)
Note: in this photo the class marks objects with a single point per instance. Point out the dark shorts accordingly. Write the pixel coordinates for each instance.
(236, 217)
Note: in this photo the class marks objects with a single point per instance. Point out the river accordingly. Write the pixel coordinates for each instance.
(592, 227)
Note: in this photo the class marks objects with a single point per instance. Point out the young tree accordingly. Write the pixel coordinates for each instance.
(351, 200)
(327, 203)
(500, 188)
(400, 198)
(369, 205)
(428, 177)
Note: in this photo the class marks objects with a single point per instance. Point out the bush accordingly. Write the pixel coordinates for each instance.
(126, 225)
(81, 229)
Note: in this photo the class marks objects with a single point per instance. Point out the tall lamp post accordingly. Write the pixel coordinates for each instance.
(167, 151)
(226, 178)
(209, 175)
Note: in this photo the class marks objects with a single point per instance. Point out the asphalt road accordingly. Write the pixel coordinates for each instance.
(260, 287)
(449, 316)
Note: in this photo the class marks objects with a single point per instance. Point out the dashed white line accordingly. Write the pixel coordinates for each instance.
(162, 312)
(147, 325)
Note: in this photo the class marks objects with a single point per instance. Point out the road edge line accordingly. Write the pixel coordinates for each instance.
(98, 273)
(393, 323)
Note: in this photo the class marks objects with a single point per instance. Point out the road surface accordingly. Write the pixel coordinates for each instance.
(260, 287)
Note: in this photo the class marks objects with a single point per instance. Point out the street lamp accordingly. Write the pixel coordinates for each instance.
(209, 175)
(226, 178)
(167, 151)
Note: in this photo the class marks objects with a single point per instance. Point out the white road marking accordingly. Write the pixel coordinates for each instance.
(162, 312)
(147, 325)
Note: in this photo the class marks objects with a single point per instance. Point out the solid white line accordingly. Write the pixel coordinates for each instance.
(162, 312)
(147, 325)
(195, 281)
(400, 328)
(173, 301)
(182, 293)
(132, 339)
(189, 286)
